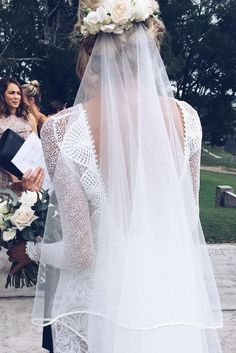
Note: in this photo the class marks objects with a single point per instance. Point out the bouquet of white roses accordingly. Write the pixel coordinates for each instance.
(22, 218)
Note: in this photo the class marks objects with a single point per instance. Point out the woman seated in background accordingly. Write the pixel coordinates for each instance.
(32, 97)
(15, 115)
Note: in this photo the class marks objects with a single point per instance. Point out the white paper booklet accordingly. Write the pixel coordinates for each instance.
(30, 156)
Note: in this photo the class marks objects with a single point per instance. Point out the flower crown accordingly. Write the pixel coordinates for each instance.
(115, 16)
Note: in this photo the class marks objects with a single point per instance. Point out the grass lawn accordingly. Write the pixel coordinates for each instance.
(219, 224)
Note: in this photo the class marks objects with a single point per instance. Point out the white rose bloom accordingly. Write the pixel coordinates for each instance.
(109, 4)
(154, 7)
(142, 10)
(4, 207)
(119, 30)
(2, 226)
(91, 22)
(9, 234)
(92, 18)
(103, 16)
(108, 28)
(128, 25)
(29, 198)
(7, 217)
(121, 11)
(92, 28)
(23, 217)
(84, 31)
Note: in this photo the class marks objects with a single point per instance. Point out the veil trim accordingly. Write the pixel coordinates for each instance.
(202, 326)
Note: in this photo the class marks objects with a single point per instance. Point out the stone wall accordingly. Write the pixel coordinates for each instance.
(225, 196)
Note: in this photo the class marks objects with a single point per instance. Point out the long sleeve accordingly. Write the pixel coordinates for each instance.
(76, 249)
(193, 141)
(194, 163)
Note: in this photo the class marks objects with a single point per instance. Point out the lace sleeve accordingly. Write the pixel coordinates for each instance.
(193, 131)
(194, 163)
(76, 249)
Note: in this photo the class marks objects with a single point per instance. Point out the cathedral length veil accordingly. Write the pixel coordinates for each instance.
(143, 283)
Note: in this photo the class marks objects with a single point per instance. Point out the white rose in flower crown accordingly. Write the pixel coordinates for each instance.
(154, 7)
(119, 30)
(102, 15)
(91, 22)
(121, 11)
(23, 217)
(108, 28)
(29, 198)
(9, 234)
(3, 207)
(84, 31)
(142, 10)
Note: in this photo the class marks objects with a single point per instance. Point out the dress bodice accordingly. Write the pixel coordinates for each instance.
(23, 128)
(78, 145)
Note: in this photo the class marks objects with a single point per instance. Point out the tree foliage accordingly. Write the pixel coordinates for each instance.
(35, 44)
(199, 52)
(200, 56)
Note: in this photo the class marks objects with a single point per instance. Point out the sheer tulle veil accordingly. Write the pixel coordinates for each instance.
(149, 287)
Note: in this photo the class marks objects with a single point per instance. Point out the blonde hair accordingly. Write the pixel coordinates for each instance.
(156, 29)
(32, 89)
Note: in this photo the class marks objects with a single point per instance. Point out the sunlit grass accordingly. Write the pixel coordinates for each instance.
(219, 224)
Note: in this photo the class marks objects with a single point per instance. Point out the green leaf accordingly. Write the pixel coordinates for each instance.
(28, 234)
(11, 195)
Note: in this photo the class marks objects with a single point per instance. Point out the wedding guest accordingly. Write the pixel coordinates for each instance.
(15, 115)
(55, 107)
(32, 96)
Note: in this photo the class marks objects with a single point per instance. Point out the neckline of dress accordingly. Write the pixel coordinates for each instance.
(85, 115)
(185, 149)
(183, 119)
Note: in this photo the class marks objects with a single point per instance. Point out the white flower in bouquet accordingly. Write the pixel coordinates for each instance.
(7, 217)
(29, 198)
(4, 207)
(9, 234)
(23, 217)
(2, 224)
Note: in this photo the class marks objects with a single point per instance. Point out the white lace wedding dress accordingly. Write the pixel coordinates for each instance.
(86, 201)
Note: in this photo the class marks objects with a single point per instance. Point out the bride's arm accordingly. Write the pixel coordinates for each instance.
(194, 162)
(76, 250)
(195, 142)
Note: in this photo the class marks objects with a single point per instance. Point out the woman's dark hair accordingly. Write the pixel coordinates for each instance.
(23, 110)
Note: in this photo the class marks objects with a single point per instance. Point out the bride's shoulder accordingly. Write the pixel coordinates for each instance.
(64, 114)
(190, 114)
(56, 124)
(187, 108)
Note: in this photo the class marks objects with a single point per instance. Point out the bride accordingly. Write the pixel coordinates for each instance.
(124, 266)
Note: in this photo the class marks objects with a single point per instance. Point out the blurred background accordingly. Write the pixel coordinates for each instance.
(199, 53)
